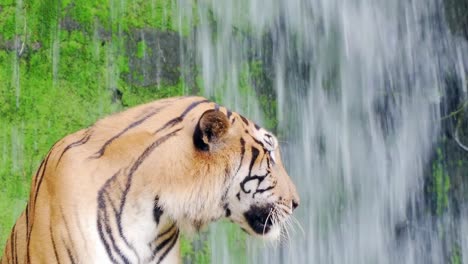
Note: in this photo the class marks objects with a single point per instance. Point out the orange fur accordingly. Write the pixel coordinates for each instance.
(130, 158)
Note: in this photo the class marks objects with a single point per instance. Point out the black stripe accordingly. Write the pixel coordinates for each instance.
(56, 144)
(28, 256)
(227, 210)
(242, 142)
(179, 119)
(165, 241)
(133, 169)
(67, 228)
(103, 225)
(255, 153)
(27, 218)
(36, 193)
(39, 183)
(192, 106)
(74, 144)
(69, 253)
(270, 140)
(15, 237)
(170, 247)
(263, 190)
(118, 215)
(101, 151)
(112, 203)
(244, 120)
(104, 241)
(115, 247)
(157, 211)
(258, 142)
(12, 244)
(260, 178)
(268, 161)
(36, 178)
(53, 243)
(80, 229)
(256, 126)
(166, 231)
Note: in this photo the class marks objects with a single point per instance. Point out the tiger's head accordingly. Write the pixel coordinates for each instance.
(257, 192)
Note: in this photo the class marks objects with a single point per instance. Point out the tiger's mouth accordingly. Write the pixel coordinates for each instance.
(260, 218)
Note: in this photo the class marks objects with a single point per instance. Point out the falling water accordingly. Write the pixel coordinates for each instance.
(19, 48)
(55, 50)
(358, 87)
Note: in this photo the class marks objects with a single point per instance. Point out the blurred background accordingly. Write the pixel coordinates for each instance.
(368, 99)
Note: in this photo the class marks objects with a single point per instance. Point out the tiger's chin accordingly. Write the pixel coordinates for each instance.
(262, 223)
(273, 234)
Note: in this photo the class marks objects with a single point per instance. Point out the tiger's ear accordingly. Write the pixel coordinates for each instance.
(211, 128)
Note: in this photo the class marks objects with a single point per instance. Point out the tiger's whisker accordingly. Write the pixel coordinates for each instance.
(298, 224)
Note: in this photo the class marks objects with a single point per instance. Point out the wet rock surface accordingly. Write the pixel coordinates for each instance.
(154, 57)
(457, 16)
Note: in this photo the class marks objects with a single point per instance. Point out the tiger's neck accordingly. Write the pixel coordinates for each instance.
(165, 245)
(155, 235)
(139, 231)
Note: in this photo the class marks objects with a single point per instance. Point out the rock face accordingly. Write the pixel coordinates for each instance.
(154, 57)
(453, 148)
(457, 16)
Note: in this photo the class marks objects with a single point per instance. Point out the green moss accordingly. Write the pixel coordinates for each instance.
(441, 184)
(269, 107)
(7, 21)
(142, 49)
(143, 13)
(133, 95)
(236, 243)
(252, 86)
(190, 255)
(456, 257)
(121, 16)
(265, 95)
(87, 13)
(42, 20)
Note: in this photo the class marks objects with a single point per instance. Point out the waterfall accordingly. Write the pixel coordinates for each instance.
(357, 87)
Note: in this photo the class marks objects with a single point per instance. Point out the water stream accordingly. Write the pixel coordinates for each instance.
(358, 87)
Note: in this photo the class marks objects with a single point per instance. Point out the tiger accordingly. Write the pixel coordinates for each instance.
(125, 188)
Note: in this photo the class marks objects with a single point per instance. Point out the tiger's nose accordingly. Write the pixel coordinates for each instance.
(295, 203)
